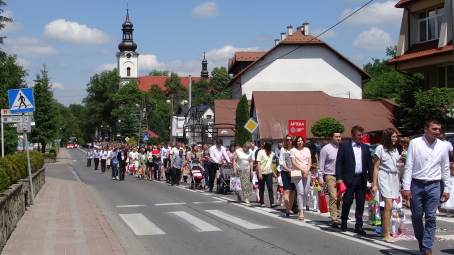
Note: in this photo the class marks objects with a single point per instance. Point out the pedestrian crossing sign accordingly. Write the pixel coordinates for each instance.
(21, 100)
(251, 125)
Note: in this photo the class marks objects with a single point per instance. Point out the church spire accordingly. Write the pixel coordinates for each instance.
(127, 44)
(204, 74)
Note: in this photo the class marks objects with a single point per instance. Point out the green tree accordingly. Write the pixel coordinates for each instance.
(175, 91)
(45, 129)
(99, 103)
(242, 116)
(159, 114)
(326, 126)
(437, 103)
(206, 91)
(3, 19)
(156, 72)
(386, 82)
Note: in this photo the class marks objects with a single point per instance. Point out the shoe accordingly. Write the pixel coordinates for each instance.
(246, 201)
(344, 227)
(388, 239)
(262, 205)
(360, 231)
(287, 215)
(334, 224)
(307, 208)
(301, 217)
(273, 205)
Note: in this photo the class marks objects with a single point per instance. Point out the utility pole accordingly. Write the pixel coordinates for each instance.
(190, 91)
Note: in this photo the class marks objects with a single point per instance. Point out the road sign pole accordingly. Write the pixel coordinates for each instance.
(30, 179)
(3, 138)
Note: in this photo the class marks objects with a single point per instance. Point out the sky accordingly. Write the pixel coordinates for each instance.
(77, 39)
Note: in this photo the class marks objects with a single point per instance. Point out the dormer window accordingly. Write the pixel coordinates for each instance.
(429, 24)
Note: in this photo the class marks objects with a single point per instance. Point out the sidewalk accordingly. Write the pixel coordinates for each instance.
(63, 220)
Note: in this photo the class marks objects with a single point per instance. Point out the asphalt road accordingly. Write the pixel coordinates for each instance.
(155, 218)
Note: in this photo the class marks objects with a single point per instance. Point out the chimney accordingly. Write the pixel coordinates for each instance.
(305, 28)
(289, 30)
(276, 41)
(283, 36)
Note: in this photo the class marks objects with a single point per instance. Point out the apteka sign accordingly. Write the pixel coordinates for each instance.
(297, 128)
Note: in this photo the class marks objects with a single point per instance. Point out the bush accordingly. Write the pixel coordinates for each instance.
(325, 127)
(13, 167)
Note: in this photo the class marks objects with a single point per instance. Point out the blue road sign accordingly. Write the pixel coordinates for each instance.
(145, 138)
(21, 100)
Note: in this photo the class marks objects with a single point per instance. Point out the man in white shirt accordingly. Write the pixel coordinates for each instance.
(217, 155)
(426, 166)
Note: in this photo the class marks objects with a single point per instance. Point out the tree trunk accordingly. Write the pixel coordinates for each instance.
(43, 146)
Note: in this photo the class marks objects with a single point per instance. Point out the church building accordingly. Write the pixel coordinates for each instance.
(128, 64)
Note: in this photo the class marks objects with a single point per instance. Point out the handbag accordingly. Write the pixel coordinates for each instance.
(235, 184)
(296, 175)
(322, 202)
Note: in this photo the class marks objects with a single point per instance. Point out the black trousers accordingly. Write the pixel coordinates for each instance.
(103, 165)
(88, 162)
(176, 175)
(212, 168)
(357, 190)
(96, 163)
(122, 171)
(156, 171)
(268, 180)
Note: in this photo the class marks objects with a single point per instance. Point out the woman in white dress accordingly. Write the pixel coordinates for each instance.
(242, 166)
(386, 176)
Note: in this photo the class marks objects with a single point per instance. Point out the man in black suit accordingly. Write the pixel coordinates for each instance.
(354, 168)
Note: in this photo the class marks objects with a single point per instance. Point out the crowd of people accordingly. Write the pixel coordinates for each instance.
(419, 173)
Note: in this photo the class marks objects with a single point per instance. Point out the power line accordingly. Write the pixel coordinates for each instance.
(322, 33)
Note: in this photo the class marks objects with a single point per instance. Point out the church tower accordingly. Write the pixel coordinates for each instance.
(204, 74)
(127, 57)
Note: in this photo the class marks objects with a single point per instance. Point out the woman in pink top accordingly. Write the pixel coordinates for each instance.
(301, 161)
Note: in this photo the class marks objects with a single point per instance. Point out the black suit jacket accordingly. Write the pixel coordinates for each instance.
(345, 163)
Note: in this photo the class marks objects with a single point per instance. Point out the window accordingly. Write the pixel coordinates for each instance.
(429, 24)
(445, 75)
(128, 71)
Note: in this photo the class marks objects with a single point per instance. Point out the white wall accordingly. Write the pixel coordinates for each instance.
(307, 68)
(124, 63)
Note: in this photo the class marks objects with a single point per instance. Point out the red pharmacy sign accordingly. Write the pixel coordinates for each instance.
(297, 128)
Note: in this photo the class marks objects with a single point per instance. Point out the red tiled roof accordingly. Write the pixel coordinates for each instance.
(402, 3)
(146, 82)
(416, 53)
(248, 55)
(152, 134)
(298, 38)
(274, 109)
(224, 116)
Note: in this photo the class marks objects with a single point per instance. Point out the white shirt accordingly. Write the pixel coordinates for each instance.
(217, 154)
(388, 159)
(358, 157)
(243, 159)
(426, 161)
(164, 153)
(328, 156)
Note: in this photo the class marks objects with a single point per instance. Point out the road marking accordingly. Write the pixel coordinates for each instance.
(208, 202)
(236, 220)
(164, 204)
(140, 225)
(129, 206)
(346, 235)
(198, 224)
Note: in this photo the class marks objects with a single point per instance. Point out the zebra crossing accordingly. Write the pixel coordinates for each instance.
(141, 225)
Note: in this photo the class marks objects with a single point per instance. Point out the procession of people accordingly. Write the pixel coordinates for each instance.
(418, 173)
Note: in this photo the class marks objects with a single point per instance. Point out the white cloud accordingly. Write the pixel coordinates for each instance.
(216, 57)
(23, 62)
(376, 13)
(28, 46)
(11, 27)
(57, 85)
(207, 9)
(73, 32)
(373, 39)
(106, 67)
(149, 62)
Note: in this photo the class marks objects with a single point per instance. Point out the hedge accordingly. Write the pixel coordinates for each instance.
(13, 167)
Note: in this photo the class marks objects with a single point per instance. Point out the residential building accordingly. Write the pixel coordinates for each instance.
(425, 41)
(299, 61)
(224, 120)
